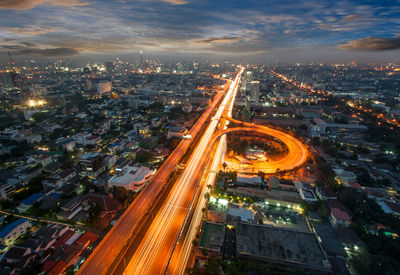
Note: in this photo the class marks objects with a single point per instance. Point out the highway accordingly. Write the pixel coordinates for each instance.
(182, 254)
(154, 249)
(152, 254)
(297, 155)
(111, 248)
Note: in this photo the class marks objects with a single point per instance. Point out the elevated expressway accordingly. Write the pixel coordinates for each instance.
(112, 248)
(297, 154)
(166, 245)
(153, 253)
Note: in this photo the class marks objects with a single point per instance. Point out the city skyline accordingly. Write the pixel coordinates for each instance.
(251, 31)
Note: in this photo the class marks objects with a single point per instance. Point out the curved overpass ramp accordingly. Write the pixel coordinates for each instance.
(297, 151)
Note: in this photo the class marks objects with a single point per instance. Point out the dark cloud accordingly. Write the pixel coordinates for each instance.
(30, 4)
(219, 40)
(62, 51)
(372, 44)
(188, 26)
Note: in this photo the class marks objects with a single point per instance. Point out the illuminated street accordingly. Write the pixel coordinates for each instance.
(152, 255)
(109, 249)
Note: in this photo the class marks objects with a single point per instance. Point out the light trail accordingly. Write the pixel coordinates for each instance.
(153, 252)
(297, 155)
(111, 249)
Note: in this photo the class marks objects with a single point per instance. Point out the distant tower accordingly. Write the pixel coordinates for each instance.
(110, 68)
(141, 58)
(16, 79)
(255, 90)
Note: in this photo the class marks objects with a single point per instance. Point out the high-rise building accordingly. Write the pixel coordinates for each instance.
(141, 58)
(88, 85)
(255, 90)
(110, 68)
(104, 87)
(37, 90)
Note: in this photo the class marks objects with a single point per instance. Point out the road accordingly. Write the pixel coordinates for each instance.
(182, 254)
(297, 151)
(297, 155)
(152, 254)
(112, 247)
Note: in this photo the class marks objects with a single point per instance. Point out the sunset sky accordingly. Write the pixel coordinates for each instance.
(251, 30)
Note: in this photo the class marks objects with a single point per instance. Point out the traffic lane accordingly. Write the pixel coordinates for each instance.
(202, 146)
(103, 254)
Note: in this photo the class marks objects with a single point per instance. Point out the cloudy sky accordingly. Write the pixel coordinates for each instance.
(246, 30)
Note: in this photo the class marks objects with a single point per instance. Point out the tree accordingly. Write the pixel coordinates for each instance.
(143, 158)
(40, 116)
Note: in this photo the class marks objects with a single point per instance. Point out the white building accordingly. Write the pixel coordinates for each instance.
(34, 139)
(14, 230)
(131, 178)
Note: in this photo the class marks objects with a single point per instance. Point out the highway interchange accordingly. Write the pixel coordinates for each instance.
(166, 245)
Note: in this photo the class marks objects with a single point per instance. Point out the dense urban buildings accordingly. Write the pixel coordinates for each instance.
(179, 137)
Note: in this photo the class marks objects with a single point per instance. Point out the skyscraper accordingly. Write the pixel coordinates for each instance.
(255, 90)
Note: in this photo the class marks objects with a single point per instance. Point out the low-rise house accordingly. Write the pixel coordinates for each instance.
(49, 127)
(58, 180)
(92, 140)
(68, 144)
(34, 139)
(339, 214)
(30, 173)
(305, 191)
(131, 146)
(45, 160)
(390, 207)
(28, 202)
(77, 208)
(345, 177)
(110, 161)
(325, 193)
(47, 235)
(115, 147)
(34, 245)
(20, 255)
(14, 230)
(68, 253)
(339, 217)
(6, 190)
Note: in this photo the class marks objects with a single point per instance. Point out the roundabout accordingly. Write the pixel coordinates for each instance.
(297, 152)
